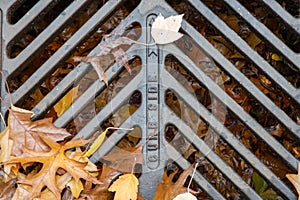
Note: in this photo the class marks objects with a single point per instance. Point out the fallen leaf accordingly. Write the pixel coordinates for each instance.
(52, 161)
(126, 187)
(276, 57)
(125, 159)
(26, 133)
(185, 196)
(165, 31)
(6, 147)
(122, 59)
(295, 180)
(76, 187)
(61, 106)
(167, 189)
(96, 144)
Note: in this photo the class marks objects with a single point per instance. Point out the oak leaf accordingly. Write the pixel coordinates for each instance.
(6, 147)
(295, 180)
(126, 187)
(167, 189)
(165, 31)
(52, 161)
(125, 159)
(27, 134)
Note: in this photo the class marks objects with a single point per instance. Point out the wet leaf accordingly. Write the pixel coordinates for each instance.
(126, 187)
(260, 185)
(52, 161)
(125, 159)
(61, 106)
(167, 189)
(295, 180)
(165, 31)
(27, 134)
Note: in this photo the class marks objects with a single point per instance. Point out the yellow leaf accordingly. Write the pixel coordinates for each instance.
(61, 106)
(76, 187)
(295, 180)
(97, 143)
(126, 187)
(276, 57)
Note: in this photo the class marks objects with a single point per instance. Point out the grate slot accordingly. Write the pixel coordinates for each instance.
(43, 38)
(247, 84)
(247, 50)
(283, 14)
(265, 32)
(229, 137)
(62, 53)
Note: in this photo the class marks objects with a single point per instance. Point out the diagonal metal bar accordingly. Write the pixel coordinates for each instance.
(210, 155)
(200, 180)
(235, 108)
(265, 32)
(246, 49)
(110, 108)
(200, 110)
(44, 38)
(61, 54)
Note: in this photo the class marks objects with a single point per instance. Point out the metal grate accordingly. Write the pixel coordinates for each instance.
(153, 81)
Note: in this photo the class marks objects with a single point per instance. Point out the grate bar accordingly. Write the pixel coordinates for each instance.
(51, 64)
(200, 180)
(265, 32)
(247, 50)
(210, 155)
(241, 78)
(235, 108)
(44, 38)
(282, 13)
(228, 136)
(11, 31)
(111, 107)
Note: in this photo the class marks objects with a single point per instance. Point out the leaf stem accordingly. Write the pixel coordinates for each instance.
(195, 168)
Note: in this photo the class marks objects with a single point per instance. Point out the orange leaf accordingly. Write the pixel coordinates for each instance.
(168, 190)
(126, 187)
(295, 179)
(52, 161)
(26, 134)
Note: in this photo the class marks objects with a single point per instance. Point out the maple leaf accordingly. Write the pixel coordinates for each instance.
(27, 134)
(295, 180)
(165, 31)
(167, 189)
(126, 187)
(125, 159)
(52, 161)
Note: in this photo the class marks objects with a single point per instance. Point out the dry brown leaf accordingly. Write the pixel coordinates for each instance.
(6, 147)
(26, 134)
(52, 161)
(295, 180)
(126, 187)
(167, 190)
(165, 31)
(125, 159)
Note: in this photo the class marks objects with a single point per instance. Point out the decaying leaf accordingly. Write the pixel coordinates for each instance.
(99, 62)
(185, 196)
(52, 161)
(167, 189)
(165, 31)
(295, 180)
(125, 159)
(61, 106)
(26, 133)
(126, 187)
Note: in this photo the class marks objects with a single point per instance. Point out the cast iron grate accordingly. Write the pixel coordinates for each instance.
(154, 80)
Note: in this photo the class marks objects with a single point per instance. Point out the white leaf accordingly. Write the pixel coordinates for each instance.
(185, 196)
(165, 31)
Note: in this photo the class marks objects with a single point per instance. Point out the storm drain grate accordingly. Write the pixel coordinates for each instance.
(155, 81)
